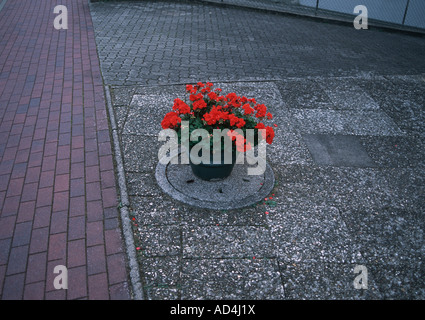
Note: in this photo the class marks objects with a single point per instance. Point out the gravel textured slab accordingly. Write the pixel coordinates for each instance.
(227, 242)
(373, 123)
(232, 279)
(313, 234)
(349, 186)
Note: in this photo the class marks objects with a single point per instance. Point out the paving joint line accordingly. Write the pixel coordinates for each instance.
(125, 205)
(276, 79)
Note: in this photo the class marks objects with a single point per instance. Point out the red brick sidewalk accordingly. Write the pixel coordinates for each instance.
(58, 197)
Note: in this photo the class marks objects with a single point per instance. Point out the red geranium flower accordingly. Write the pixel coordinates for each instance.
(199, 104)
(206, 89)
(247, 109)
(269, 134)
(194, 97)
(261, 110)
(215, 115)
(235, 121)
(208, 108)
(180, 106)
(213, 96)
(171, 120)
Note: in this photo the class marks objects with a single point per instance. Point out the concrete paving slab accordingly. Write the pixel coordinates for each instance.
(318, 81)
(151, 213)
(142, 184)
(328, 238)
(160, 241)
(403, 281)
(233, 279)
(395, 152)
(304, 93)
(140, 152)
(209, 242)
(248, 216)
(346, 95)
(338, 187)
(310, 229)
(407, 187)
(337, 150)
(329, 281)
(161, 271)
(146, 113)
(398, 241)
(373, 123)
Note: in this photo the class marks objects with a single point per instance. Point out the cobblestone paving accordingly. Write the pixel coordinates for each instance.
(332, 90)
(173, 42)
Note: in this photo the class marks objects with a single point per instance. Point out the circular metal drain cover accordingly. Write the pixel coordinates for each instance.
(237, 191)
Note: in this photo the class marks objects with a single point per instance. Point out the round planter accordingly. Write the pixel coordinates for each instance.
(213, 171)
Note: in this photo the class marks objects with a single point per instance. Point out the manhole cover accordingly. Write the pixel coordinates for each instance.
(237, 191)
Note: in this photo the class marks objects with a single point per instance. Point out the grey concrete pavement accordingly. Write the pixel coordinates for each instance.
(348, 155)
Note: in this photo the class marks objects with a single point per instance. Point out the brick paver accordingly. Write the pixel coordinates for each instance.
(58, 199)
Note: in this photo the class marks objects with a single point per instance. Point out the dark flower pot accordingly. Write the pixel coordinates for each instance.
(213, 171)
